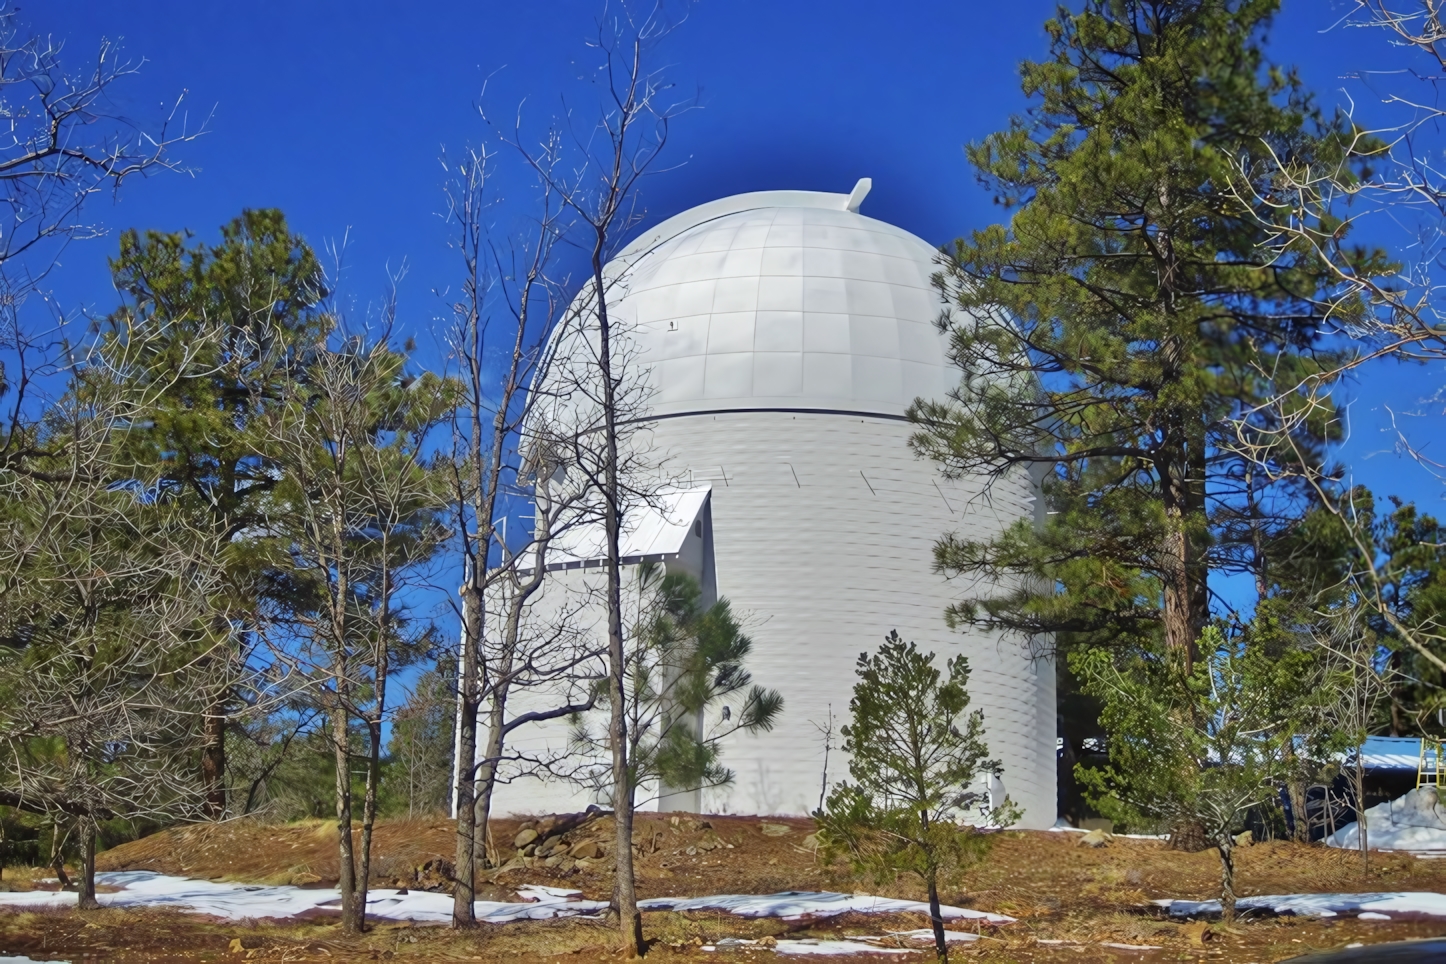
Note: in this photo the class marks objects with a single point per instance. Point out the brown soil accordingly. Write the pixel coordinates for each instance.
(1077, 897)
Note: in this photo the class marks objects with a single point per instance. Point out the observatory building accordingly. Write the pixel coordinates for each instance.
(782, 335)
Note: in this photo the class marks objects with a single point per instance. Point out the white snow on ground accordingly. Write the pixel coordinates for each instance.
(1382, 906)
(808, 947)
(143, 888)
(27, 960)
(791, 905)
(852, 945)
(1415, 821)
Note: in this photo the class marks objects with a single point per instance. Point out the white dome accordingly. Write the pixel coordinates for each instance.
(779, 338)
(783, 300)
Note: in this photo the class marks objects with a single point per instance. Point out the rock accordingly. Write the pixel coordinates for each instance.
(1244, 839)
(1196, 932)
(768, 942)
(691, 851)
(775, 829)
(546, 825)
(237, 946)
(1095, 838)
(524, 838)
(709, 843)
(552, 861)
(436, 875)
(585, 850)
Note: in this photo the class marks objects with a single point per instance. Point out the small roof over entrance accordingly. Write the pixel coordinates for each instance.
(652, 532)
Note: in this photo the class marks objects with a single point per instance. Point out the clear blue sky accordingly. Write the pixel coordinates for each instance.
(336, 112)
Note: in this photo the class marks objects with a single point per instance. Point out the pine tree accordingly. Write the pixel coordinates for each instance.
(1115, 335)
(217, 328)
(1201, 744)
(688, 690)
(916, 760)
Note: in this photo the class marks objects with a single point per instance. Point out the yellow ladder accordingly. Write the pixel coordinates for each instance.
(1428, 774)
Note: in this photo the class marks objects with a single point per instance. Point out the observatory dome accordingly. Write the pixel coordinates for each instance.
(780, 338)
(784, 300)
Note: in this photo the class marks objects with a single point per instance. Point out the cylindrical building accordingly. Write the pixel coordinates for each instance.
(784, 335)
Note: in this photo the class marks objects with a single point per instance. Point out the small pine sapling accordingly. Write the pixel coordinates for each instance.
(915, 760)
(1201, 745)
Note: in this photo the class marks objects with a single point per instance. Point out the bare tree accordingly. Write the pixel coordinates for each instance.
(509, 294)
(604, 386)
(421, 741)
(1380, 180)
(1357, 679)
(359, 503)
(63, 141)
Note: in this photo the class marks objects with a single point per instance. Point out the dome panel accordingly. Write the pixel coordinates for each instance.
(782, 293)
(873, 337)
(826, 332)
(794, 290)
(730, 332)
(829, 378)
(729, 376)
(736, 294)
(778, 374)
(778, 331)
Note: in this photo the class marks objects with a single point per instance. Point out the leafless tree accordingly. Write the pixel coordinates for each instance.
(1382, 181)
(421, 742)
(610, 159)
(359, 502)
(63, 141)
(1357, 679)
(508, 298)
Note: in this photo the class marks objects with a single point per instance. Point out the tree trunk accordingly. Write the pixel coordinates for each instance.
(463, 891)
(624, 889)
(346, 881)
(87, 865)
(1358, 777)
(1186, 602)
(57, 854)
(213, 759)
(491, 753)
(936, 919)
(1223, 844)
(625, 896)
(1295, 787)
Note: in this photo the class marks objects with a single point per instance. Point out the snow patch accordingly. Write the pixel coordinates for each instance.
(1381, 906)
(144, 888)
(1415, 821)
(794, 904)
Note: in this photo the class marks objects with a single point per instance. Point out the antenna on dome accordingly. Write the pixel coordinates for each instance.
(860, 191)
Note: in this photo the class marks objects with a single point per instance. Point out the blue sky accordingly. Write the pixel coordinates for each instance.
(336, 112)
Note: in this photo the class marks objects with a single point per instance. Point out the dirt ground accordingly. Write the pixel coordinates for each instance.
(1069, 900)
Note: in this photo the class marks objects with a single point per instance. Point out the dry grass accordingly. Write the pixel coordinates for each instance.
(1059, 891)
